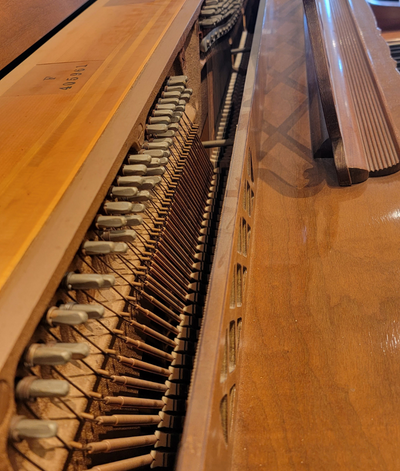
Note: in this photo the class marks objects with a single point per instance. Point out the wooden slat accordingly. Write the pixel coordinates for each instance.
(50, 121)
(320, 370)
(23, 23)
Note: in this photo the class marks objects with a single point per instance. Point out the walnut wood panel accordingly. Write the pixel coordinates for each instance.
(23, 23)
(319, 370)
(387, 14)
(391, 35)
(60, 152)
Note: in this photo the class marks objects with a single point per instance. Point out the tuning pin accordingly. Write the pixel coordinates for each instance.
(32, 387)
(103, 247)
(57, 316)
(74, 281)
(94, 311)
(21, 428)
(42, 354)
(124, 235)
(104, 222)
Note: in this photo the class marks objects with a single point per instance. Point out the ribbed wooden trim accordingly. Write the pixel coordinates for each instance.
(366, 125)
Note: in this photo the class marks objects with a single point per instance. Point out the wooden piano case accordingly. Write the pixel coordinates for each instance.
(297, 360)
(83, 101)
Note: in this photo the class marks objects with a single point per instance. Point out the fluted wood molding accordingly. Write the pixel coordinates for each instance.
(357, 83)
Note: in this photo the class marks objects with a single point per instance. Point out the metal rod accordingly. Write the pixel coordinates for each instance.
(218, 143)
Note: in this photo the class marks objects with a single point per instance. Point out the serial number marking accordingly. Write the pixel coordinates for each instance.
(74, 76)
(62, 78)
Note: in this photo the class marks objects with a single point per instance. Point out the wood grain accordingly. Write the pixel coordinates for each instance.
(319, 375)
(115, 113)
(62, 118)
(23, 23)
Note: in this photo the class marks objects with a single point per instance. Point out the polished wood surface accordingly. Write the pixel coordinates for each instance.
(310, 382)
(387, 14)
(319, 367)
(23, 23)
(358, 85)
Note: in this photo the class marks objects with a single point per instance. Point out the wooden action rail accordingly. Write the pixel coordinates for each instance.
(208, 438)
(358, 89)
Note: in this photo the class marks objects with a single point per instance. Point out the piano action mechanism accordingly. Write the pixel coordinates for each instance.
(165, 305)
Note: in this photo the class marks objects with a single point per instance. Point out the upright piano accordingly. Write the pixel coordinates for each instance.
(183, 285)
